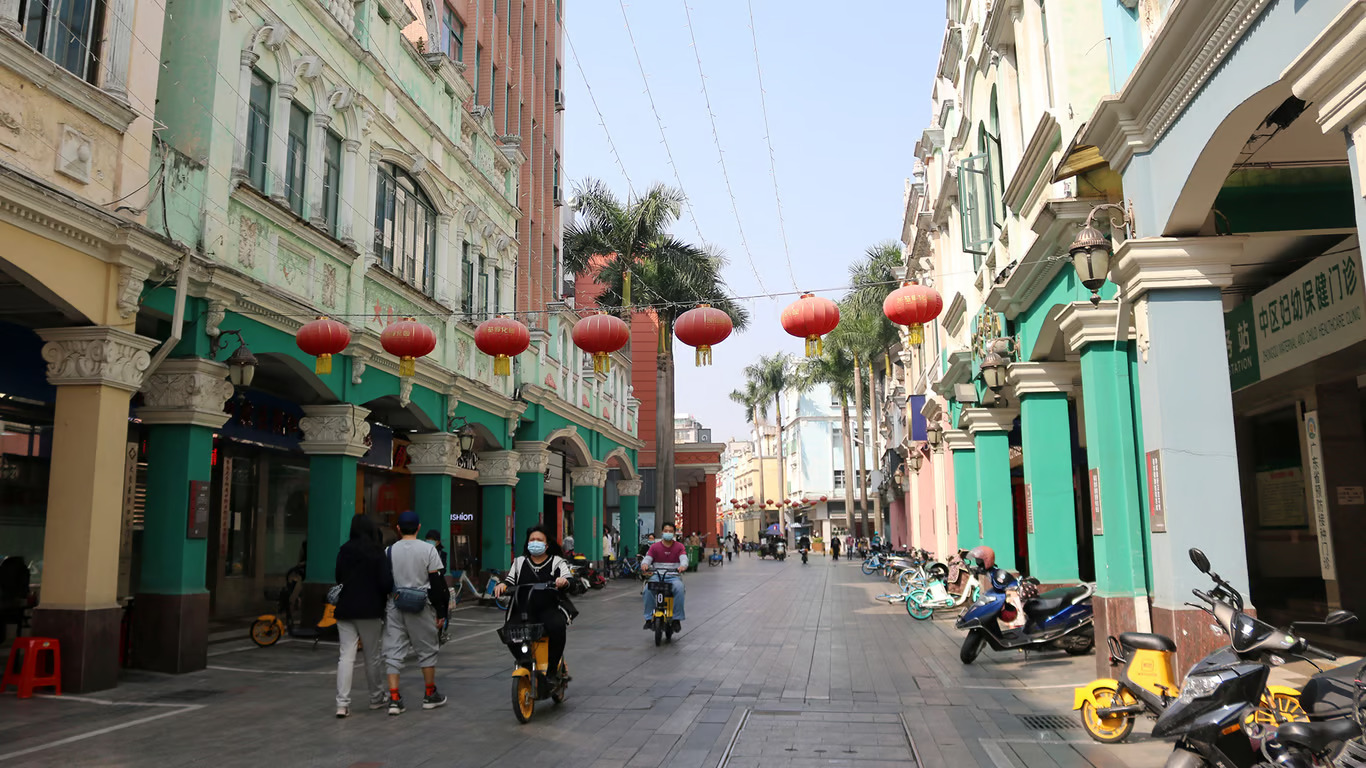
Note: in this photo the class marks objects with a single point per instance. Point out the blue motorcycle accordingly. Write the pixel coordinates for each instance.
(1058, 618)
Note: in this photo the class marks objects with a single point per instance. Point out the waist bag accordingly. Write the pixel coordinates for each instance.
(407, 599)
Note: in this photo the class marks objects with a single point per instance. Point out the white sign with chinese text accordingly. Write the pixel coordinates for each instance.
(1320, 494)
(1317, 310)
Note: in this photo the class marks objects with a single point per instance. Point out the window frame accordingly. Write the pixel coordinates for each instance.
(497, 292)
(257, 160)
(331, 179)
(482, 299)
(466, 280)
(83, 48)
(296, 157)
(405, 228)
(454, 34)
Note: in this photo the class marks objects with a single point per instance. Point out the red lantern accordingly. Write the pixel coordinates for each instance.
(811, 317)
(913, 305)
(768, 502)
(323, 338)
(503, 338)
(823, 498)
(734, 501)
(408, 340)
(600, 335)
(703, 327)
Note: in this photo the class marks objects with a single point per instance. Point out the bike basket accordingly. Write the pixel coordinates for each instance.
(661, 588)
(519, 634)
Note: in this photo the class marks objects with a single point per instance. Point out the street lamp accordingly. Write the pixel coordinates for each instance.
(1092, 249)
(994, 371)
(934, 434)
(915, 460)
(241, 363)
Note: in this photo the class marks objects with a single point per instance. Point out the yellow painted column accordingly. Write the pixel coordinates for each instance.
(96, 370)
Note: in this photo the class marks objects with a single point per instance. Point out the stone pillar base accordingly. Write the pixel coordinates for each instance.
(1114, 615)
(171, 632)
(1190, 629)
(90, 645)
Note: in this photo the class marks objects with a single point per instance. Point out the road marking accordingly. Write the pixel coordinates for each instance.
(1022, 687)
(178, 709)
(272, 671)
(997, 754)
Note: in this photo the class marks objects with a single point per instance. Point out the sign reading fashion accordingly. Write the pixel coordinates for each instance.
(1319, 309)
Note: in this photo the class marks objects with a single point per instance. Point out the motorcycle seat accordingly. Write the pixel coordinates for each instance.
(1318, 737)
(1052, 601)
(1144, 641)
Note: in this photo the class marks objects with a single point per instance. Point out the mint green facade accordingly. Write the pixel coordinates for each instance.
(173, 563)
(994, 494)
(1046, 439)
(965, 494)
(331, 505)
(494, 534)
(432, 496)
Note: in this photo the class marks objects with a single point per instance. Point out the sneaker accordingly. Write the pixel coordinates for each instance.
(396, 706)
(677, 625)
(343, 712)
(649, 624)
(380, 703)
(433, 700)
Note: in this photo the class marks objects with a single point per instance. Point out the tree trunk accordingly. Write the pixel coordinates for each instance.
(664, 433)
(848, 463)
(875, 435)
(782, 463)
(759, 430)
(861, 482)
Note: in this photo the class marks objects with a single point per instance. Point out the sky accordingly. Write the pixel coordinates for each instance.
(847, 97)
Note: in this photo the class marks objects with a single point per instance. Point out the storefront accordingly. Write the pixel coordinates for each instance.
(466, 524)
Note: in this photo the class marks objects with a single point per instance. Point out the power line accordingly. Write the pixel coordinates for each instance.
(716, 139)
(768, 138)
(602, 121)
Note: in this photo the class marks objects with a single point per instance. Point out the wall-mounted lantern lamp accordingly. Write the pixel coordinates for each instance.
(241, 363)
(1092, 249)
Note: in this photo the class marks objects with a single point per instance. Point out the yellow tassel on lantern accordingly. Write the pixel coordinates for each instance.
(407, 366)
(324, 365)
(813, 346)
(626, 288)
(502, 365)
(602, 362)
(917, 333)
(703, 356)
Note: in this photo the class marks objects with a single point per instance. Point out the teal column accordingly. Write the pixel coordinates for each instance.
(498, 478)
(433, 459)
(184, 405)
(334, 438)
(1046, 437)
(628, 492)
(588, 486)
(990, 430)
(433, 504)
(964, 487)
(530, 494)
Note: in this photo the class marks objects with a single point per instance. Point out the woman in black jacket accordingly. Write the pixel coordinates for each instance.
(366, 581)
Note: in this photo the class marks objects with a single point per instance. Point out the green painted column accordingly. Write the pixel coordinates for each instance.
(964, 486)
(990, 430)
(530, 494)
(183, 406)
(588, 487)
(433, 459)
(433, 504)
(1046, 435)
(498, 479)
(334, 438)
(628, 491)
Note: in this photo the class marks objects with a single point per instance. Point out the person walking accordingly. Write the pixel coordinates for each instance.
(362, 573)
(834, 549)
(415, 612)
(433, 537)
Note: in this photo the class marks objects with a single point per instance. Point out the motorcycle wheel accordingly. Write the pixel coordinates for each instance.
(659, 632)
(1081, 643)
(599, 583)
(561, 692)
(972, 646)
(523, 699)
(265, 632)
(1277, 708)
(1107, 730)
(918, 611)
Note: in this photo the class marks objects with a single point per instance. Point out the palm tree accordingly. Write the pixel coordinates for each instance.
(835, 368)
(756, 409)
(772, 376)
(628, 249)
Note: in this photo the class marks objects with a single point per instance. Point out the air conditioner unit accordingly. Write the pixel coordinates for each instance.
(559, 100)
(555, 197)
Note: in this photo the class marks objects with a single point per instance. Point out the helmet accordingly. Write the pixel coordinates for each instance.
(1002, 579)
(983, 555)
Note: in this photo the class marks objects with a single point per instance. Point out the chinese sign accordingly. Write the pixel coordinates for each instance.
(1029, 508)
(1280, 498)
(1157, 503)
(1317, 310)
(1320, 492)
(1097, 520)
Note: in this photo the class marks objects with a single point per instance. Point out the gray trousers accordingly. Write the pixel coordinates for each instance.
(409, 631)
(366, 632)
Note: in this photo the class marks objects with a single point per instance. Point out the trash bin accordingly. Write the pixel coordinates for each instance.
(694, 558)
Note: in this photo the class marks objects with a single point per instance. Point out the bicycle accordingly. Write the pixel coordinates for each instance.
(269, 627)
(629, 568)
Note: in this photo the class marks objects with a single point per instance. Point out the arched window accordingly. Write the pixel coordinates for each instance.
(405, 228)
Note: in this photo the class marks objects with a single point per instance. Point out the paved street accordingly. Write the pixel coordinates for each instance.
(778, 665)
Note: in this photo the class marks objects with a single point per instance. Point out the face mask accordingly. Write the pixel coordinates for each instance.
(668, 536)
(536, 547)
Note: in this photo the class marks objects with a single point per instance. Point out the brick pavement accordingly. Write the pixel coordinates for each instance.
(779, 665)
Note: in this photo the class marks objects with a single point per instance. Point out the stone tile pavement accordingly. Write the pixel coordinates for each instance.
(780, 664)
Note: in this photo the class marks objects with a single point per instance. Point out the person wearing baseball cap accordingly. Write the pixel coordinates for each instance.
(415, 612)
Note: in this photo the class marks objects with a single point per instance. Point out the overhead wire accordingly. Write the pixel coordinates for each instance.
(602, 121)
(768, 138)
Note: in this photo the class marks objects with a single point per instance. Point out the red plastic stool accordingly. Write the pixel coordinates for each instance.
(21, 670)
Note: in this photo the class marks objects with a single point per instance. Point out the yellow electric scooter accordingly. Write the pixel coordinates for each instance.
(532, 648)
(1147, 684)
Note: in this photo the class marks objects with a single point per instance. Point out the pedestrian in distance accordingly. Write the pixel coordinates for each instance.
(433, 537)
(362, 573)
(834, 549)
(415, 613)
(649, 542)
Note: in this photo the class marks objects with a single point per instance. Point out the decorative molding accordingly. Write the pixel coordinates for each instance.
(1331, 76)
(101, 356)
(30, 65)
(332, 430)
(437, 453)
(535, 456)
(959, 371)
(1054, 226)
(629, 487)
(958, 440)
(1080, 323)
(214, 318)
(130, 289)
(594, 475)
(976, 420)
(357, 368)
(1034, 164)
(619, 452)
(499, 468)
(1040, 378)
(1150, 263)
(186, 391)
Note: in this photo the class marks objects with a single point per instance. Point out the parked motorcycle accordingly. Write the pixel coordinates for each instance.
(1060, 618)
(1208, 718)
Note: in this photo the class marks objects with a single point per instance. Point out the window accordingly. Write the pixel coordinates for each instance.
(66, 31)
(405, 228)
(483, 288)
(976, 204)
(453, 32)
(497, 291)
(258, 130)
(559, 98)
(837, 435)
(507, 107)
(493, 85)
(332, 149)
(555, 178)
(296, 157)
(557, 286)
(1047, 56)
(839, 479)
(478, 57)
(466, 281)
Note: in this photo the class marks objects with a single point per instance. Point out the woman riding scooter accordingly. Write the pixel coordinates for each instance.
(541, 563)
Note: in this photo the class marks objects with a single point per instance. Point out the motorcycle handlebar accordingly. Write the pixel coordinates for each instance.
(1319, 652)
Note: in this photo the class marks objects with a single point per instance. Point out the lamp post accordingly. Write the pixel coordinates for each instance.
(1092, 249)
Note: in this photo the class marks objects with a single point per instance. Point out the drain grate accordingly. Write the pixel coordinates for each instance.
(188, 694)
(1048, 722)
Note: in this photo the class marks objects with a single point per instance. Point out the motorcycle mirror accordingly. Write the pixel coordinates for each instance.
(1199, 560)
(1340, 618)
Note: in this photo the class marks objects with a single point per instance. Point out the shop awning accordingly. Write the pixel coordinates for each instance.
(1078, 158)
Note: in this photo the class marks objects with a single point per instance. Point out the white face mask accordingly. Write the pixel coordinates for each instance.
(536, 547)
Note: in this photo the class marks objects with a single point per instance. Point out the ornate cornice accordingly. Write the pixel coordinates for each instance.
(958, 440)
(959, 371)
(101, 356)
(186, 391)
(436, 453)
(46, 75)
(1034, 164)
(629, 487)
(1149, 263)
(1331, 76)
(1082, 324)
(499, 468)
(594, 475)
(1055, 224)
(976, 420)
(332, 430)
(535, 456)
(1038, 378)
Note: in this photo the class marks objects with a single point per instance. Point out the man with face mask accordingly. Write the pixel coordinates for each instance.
(671, 558)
